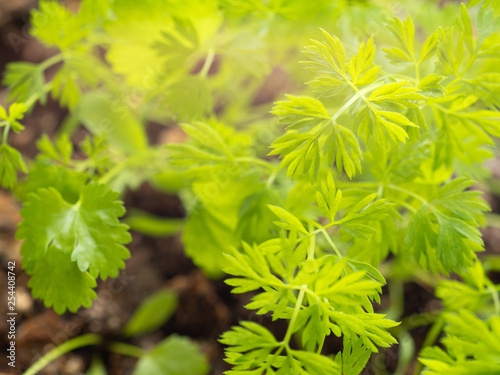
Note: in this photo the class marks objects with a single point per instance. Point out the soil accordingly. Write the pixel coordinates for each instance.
(206, 307)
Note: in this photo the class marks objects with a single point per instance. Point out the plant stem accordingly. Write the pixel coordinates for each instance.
(411, 193)
(396, 296)
(72, 344)
(431, 337)
(51, 61)
(208, 63)
(126, 349)
(406, 352)
(296, 310)
(5, 133)
(332, 244)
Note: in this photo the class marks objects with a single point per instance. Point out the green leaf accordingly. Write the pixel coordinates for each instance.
(327, 57)
(25, 80)
(152, 225)
(98, 112)
(443, 232)
(386, 125)
(175, 355)
(211, 225)
(369, 326)
(360, 67)
(249, 347)
(355, 355)
(152, 313)
(190, 98)
(471, 347)
(313, 135)
(395, 95)
(290, 221)
(78, 73)
(356, 220)
(449, 51)
(367, 268)
(88, 231)
(44, 174)
(404, 32)
(314, 363)
(58, 281)
(329, 198)
(16, 112)
(60, 150)
(212, 148)
(11, 162)
(56, 26)
(465, 26)
(429, 47)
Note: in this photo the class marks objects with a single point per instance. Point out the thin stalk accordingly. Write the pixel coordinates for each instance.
(208, 63)
(406, 352)
(332, 244)
(68, 346)
(431, 337)
(113, 172)
(396, 296)
(312, 248)
(5, 133)
(126, 349)
(50, 61)
(411, 193)
(296, 310)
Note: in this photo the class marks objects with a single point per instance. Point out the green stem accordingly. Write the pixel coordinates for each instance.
(406, 352)
(5, 133)
(36, 96)
(296, 310)
(208, 63)
(411, 193)
(332, 244)
(431, 337)
(312, 248)
(72, 344)
(459, 76)
(51, 61)
(126, 349)
(396, 296)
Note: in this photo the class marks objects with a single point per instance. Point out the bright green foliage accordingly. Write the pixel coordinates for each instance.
(443, 231)
(472, 347)
(318, 296)
(313, 135)
(16, 112)
(86, 234)
(409, 115)
(152, 313)
(11, 162)
(211, 226)
(254, 350)
(173, 356)
(25, 81)
(58, 281)
(212, 148)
